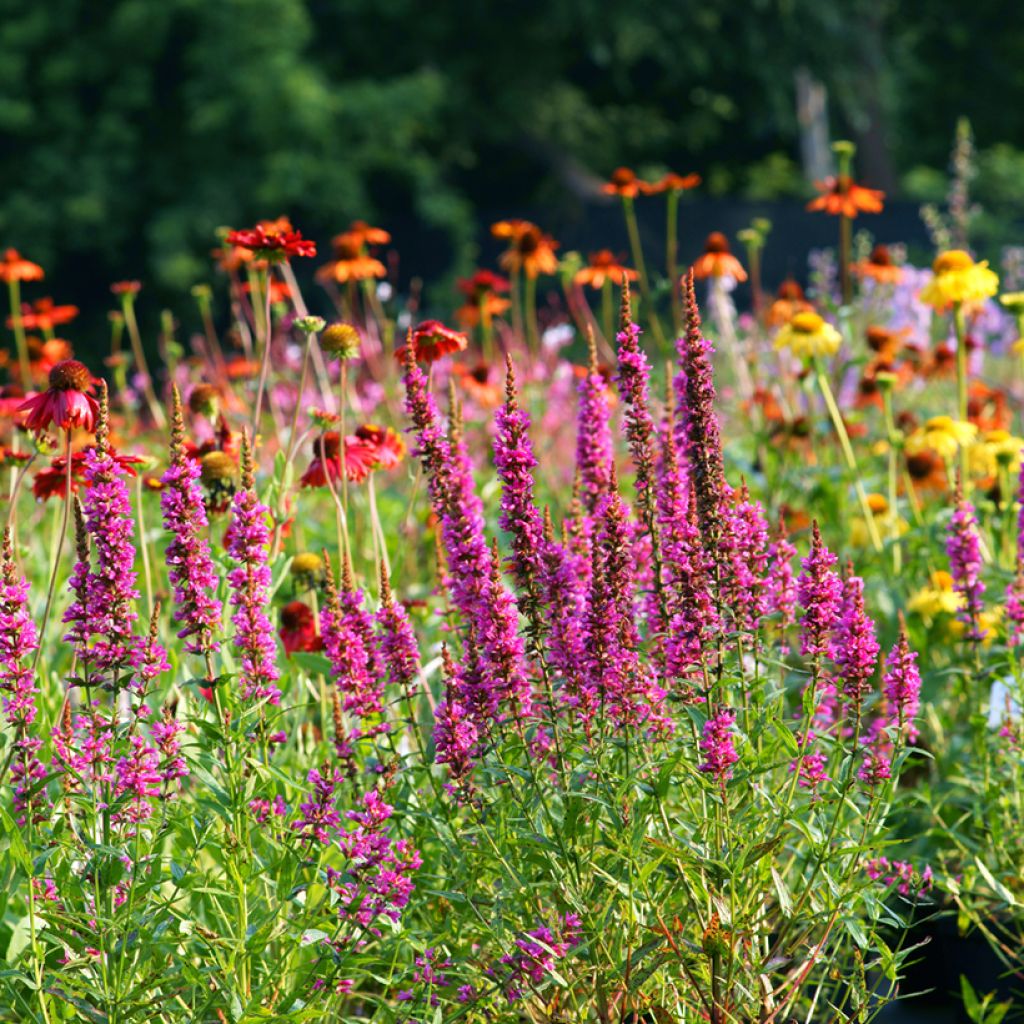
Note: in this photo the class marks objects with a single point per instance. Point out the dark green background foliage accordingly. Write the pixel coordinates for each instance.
(131, 129)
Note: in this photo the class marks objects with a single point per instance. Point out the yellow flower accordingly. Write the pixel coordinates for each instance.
(937, 598)
(995, 449)
(889, 524)
(958, 279)
(1013, 302)
(808, 335)
(942, 435)
(990, 623)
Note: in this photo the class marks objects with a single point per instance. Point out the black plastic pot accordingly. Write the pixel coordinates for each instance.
(936, 970)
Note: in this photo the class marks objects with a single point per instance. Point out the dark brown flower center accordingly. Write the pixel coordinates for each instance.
(716, 242)
(70, 375)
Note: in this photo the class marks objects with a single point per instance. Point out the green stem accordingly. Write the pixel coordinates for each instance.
(139, 355)
(263, 276)
(893, 477)
(633, 230)
(961, 384)
(845, 245)
(672, 257)
(851, 459)
(530, 312)
(14, 288)
(608, 311)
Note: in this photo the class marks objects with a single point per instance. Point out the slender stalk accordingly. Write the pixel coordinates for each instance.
(139, 355)
(962, 373)
(633, 230)
(530, 312)
(672, 256)
(893, 478)
(263, 276)
(845, 247)
(851, 459)
(607, 310)
(14, 289)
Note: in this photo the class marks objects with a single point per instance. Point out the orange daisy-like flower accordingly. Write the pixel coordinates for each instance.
(43, 315)
(481, 383)
(274, 243)
(13, 267)
(842, 196)
(126, 287)
(431, 340)
(879, 267)
(387, 442)
(604, 266)
(530, 250)
(885, 342)
(351, 261)
(624, 182)
(717, 260)
(360, 233)
(789, 300)
(481, 291)
(45, 355)
(487, 307)
(927, 469)
(671, 182)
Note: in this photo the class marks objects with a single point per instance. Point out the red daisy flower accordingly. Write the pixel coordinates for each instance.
(360, 459)
(65, 403)
(431, 340)
(51, 482)
(298, 628)
(388, 443)
(272, 244)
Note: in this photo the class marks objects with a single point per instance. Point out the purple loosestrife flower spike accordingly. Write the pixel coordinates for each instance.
(107, 593)
(18, 640)
(563, 585)
(398, 647)
(718, 745)
(781, 581)
(515, 462)
(963, 546)
(619, 680)
(820, 593)
(634, 387)
(247, 538)
(901, 684)
(189, 566)
(692, 615)
(456, 735)
(856, 646)
(594, 452)
(695, 397)
(498, 682)
(351, 648)
(1015, 602)
(320, 821)
(743, 557)
(545, 574)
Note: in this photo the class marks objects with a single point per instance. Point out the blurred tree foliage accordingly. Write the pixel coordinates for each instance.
(133, 128)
